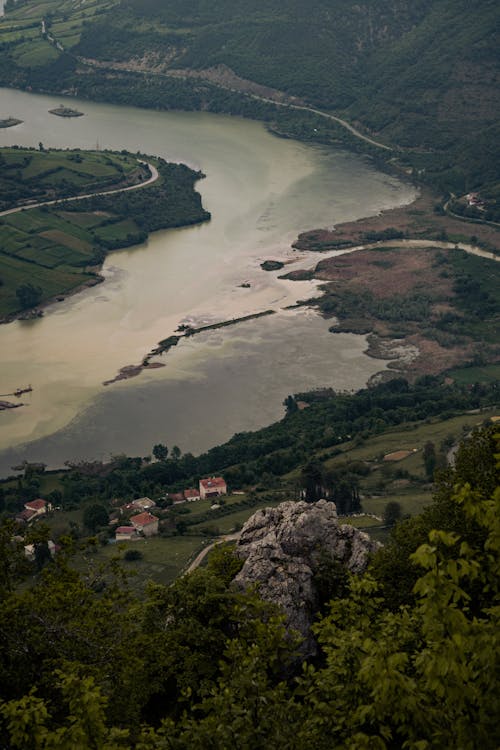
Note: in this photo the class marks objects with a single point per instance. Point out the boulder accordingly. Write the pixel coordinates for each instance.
(282, 549)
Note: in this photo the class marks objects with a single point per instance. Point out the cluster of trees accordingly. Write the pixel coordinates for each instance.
(408, 653)
(28, 295)
(171, 202)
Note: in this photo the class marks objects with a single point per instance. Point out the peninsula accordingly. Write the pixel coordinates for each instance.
(61, 212)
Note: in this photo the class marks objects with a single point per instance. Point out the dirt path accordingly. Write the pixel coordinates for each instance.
(471, 249)
(204, 552)
(153, 178)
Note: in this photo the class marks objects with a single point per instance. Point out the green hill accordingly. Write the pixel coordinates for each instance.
(422, 76)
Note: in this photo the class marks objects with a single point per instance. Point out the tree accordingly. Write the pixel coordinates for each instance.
(95, 516)
(28, 295)
(160, 452)
(429, 456)
(392, 513)
(176, 452)
(312, 481)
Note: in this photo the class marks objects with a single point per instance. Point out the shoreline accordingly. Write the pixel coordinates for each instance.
(410, 348)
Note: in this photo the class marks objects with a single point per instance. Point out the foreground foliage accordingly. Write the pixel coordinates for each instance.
(197, 665)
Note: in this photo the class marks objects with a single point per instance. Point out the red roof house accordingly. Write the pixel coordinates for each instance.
(26, 515)
(39, 506)
(145, 523)
(191, 495)
(212, 487)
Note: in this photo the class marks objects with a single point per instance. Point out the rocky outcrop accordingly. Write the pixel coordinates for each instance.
(283, 548)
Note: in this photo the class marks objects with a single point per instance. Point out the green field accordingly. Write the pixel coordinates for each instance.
(163, 558)
(469, 375)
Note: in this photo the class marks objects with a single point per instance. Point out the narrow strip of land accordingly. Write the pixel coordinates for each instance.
(149, 181)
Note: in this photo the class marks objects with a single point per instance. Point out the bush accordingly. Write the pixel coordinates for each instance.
(133, 554)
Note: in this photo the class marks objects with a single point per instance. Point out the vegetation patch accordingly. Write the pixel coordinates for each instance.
(445, 312)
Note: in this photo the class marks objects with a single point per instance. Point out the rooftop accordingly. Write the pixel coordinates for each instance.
(143, 519)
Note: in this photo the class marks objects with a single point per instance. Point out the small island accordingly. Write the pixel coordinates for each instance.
(272, 265)
(63, 111)
(9, 122)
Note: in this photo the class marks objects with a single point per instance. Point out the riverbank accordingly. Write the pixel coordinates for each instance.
(427, 311)
(424, 218)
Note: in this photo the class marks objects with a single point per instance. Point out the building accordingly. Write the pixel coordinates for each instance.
(212, 487)
(191, 495)
(145, 523)
(33, 510)
(143, 503)
(176, 497)
(38, 506)
(125, 533)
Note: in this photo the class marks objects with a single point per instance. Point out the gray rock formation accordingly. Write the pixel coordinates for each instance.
(283, 547)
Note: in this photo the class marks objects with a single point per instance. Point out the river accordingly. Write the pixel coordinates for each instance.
(262, 191)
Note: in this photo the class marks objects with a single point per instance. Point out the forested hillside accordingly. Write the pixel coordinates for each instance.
(421, 76)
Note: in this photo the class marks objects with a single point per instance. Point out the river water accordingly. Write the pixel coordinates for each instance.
(262, 191)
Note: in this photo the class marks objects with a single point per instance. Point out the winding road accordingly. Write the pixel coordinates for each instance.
(204, 552)
(149, 181)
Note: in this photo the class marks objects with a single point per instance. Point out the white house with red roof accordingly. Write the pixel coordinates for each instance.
(125, 533)
(39, 506)
(145, 523)
(212, 487)
(191, 494)
(34, 509)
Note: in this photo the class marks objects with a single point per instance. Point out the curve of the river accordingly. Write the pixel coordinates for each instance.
(262, 191)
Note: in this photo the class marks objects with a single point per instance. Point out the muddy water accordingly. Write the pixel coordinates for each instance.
(262, 191)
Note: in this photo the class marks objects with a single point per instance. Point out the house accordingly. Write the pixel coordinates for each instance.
(38, 506)
(33, 510)
(191, 495)
(145, 523)
(29, 550)
(212, 487)
(143, 503)
(25, 516)
(125, 533)
(176, 497)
